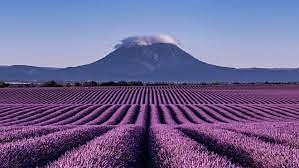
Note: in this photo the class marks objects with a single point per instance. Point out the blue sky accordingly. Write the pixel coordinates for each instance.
(237, 33)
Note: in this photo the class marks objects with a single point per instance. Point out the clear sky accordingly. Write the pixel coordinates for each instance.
(237, 33)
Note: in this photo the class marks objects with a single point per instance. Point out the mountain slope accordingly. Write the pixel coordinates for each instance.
(26, 73)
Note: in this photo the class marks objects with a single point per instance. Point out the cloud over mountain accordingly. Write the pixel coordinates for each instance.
(147, 40)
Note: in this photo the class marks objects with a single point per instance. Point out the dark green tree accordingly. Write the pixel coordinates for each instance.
(51, 83)
(3, 84)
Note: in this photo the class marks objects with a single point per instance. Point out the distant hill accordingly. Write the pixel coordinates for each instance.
(154, 63)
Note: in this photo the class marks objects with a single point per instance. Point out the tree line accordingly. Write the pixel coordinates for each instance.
(53, 83)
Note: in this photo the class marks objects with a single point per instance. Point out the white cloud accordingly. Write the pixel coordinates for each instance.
(147, 40)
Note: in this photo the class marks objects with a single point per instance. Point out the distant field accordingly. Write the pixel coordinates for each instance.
(150, 126)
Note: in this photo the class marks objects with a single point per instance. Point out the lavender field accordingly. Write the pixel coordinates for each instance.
(150, 126)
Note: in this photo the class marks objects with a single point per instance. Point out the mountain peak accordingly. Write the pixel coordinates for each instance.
(154, 53)
(133, 41)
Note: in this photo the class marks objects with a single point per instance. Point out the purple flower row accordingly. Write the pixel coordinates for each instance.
(38, 151)
(148, 95)
(120, 147)
(242, 149)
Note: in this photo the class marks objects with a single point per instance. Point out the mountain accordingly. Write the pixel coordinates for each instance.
(154, 62)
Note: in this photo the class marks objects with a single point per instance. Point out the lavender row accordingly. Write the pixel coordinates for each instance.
(121, 147)
(285, 133)
(171, 148)
(39, 151)
(28, 132)
(147, 95)
(245, 150)
(43, 115)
